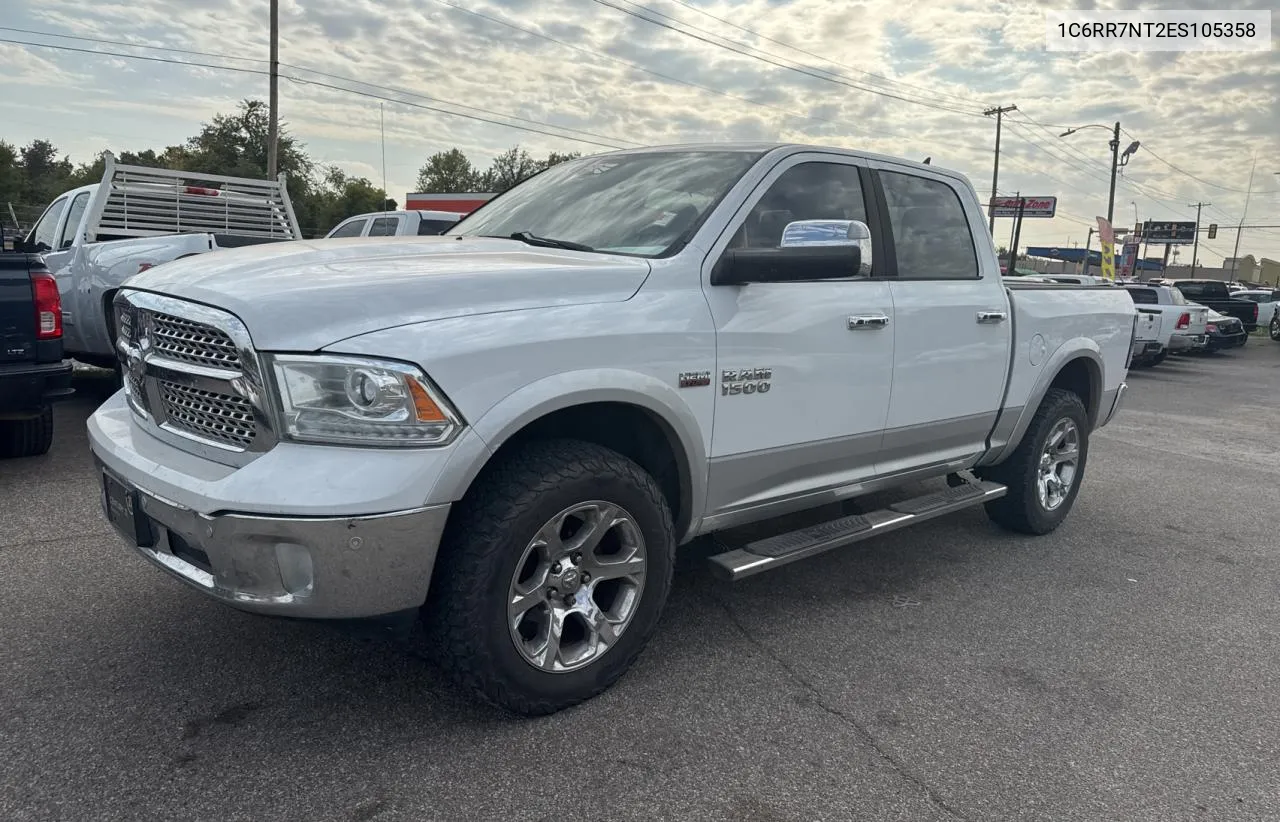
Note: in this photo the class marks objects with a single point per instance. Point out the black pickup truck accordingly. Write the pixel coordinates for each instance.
(1216, 295)
(33, 372)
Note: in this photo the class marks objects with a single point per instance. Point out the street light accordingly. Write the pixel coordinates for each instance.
(1116, 159)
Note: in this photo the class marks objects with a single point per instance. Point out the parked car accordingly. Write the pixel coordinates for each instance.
(395, 224)
(33, 372)
(1183, 325)
(1268, 300)
(527, 416)
(1223, 332)
(1216, 295)
(1149, 339)
(95, 237)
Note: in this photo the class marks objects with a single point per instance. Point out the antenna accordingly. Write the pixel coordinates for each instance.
(382, 126)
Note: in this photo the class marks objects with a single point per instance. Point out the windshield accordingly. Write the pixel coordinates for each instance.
(644, 204)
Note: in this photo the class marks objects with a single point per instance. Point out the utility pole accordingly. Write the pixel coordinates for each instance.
(1085, 265)
(1235, 255)
(995, 171)
(1115, 164)
(273, 135)
(1017, 235)
(1195, 249)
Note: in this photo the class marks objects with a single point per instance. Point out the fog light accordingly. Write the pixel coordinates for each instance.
(294, 562)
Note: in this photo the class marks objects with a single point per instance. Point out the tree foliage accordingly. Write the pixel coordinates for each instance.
(235, 144)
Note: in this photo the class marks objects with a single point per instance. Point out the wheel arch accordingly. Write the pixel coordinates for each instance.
(632, 413)
(1076, 366)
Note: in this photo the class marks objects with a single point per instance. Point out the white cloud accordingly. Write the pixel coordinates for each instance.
(1205, 113)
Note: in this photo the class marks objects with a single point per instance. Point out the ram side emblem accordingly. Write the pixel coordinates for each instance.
(746, 381)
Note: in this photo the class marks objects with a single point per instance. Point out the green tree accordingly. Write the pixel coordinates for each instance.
(338, 197)
(509, 168)
(448, 172)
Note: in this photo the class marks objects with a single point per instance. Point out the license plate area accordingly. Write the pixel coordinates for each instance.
(124, 512)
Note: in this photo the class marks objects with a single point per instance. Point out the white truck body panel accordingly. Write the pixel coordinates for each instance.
(394, 224)
(511, 332)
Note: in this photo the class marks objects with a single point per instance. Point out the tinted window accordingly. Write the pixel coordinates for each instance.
(808, 191)
(1175, 297)
(1144, 296)
(931, 233)
(44, 234)
(384, 227)
(434, 226)
(74, 214)
(351, 229)
(1203, 291)
(646, 203)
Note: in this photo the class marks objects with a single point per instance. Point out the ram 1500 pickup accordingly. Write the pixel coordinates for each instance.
(95, 237)
(510, 428)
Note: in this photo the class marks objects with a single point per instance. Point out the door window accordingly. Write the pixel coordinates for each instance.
(74, 214)
(349, 229)
(931, 233)
(45, 232)
(808, 191)
(429, 227)
(384, 227)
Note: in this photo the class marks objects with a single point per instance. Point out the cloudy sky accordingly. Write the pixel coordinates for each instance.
(896, 76)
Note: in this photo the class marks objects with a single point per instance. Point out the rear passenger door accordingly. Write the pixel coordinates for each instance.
(952, 328)
(385, 226)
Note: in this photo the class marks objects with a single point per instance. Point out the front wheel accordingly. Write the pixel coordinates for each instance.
(552, 576)
(1043, 474)
(1274, 328)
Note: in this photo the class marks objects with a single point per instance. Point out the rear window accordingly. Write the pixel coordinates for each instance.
(1144, 296)
(434, 226)
(1201, 291)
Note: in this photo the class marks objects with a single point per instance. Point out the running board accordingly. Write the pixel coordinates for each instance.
(784, 549)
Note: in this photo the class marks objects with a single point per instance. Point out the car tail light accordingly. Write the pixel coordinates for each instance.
(1255, 312)
(1184, 321)
(1211, 328)
(48, 305)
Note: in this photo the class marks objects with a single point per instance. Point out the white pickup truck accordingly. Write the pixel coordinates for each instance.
(511, 428)
(1183, 324)
(95, 237)
(395, 224)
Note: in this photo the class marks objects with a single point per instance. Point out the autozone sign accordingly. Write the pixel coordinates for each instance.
(1031, 206)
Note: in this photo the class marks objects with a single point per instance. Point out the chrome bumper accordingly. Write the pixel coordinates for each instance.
(1115, 404)
(313, 567)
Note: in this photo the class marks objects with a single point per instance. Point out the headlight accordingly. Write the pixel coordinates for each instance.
(357, 401)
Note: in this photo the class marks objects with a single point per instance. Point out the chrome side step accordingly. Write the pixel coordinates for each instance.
(784, 549)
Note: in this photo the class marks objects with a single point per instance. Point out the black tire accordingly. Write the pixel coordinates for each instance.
(1020, 510)
(27, 438)
(486, 538)
(1274, 328)
(1159, 358)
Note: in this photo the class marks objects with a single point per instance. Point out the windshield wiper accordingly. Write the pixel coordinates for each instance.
(548, 242)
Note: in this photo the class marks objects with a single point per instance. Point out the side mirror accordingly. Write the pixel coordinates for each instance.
(808, 250)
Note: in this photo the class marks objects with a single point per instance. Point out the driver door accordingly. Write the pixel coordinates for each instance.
(804, 367)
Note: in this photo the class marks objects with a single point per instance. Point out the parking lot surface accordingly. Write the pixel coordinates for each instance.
(1123, 667)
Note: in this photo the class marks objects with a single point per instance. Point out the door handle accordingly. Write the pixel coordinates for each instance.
(865, 323)
(992, 316)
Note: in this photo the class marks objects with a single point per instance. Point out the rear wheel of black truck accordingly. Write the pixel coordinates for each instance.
(27, 438)
(552, 576)
(1045, 470)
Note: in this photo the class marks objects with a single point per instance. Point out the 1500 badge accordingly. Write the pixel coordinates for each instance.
(746, 381)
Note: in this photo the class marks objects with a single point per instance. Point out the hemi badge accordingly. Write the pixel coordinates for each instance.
(694, 379)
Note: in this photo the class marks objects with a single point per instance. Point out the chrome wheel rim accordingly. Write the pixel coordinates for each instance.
(1059, 464)
(576, 587)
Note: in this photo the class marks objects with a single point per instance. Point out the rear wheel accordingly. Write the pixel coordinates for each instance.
(1044, 473)
(552, 575)
(1159, 358)
(1274, 328)
(27, 438)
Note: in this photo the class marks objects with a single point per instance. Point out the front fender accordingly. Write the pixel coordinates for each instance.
(565, 390)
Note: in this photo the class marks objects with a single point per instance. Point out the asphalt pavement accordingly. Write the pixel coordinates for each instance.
(1122, 668)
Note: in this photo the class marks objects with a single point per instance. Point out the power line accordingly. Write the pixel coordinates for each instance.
(739, 49)
(304, 81)
(821, 57)
(1145, 148)
(129, 43)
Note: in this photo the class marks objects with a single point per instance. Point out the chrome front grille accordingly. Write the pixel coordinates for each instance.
(192, 377)
(192, 342)
(208, 414)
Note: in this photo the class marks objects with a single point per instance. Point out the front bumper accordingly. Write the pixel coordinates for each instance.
(314, 567)
(31, 386)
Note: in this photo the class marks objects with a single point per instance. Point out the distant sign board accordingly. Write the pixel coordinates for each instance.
(1182, 233)
(1031, 206)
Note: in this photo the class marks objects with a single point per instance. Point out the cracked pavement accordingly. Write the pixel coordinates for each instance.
(1120, 668)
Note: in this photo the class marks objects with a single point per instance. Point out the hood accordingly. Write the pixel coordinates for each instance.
(306, 294)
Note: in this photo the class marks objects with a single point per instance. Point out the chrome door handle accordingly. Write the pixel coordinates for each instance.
(864, 323)
(992, 316)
